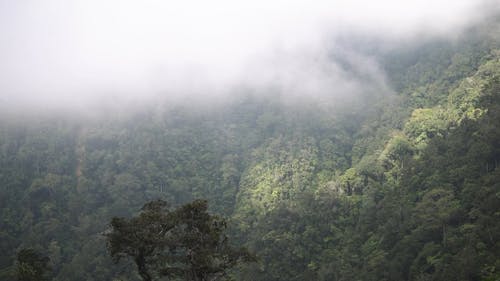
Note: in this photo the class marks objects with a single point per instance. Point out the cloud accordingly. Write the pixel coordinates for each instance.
(60, 52)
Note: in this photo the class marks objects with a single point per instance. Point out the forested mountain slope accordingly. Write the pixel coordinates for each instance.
(402, 186)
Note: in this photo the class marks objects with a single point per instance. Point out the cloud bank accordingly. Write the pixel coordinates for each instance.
(60, 52)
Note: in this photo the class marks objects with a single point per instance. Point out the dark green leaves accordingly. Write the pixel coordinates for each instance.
(187, 242)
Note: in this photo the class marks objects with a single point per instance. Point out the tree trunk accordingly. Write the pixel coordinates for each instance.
(141, 267)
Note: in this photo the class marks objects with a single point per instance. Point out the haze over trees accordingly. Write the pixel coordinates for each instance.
(382, 163)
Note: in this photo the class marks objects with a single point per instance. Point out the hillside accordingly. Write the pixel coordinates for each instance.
(396, 185)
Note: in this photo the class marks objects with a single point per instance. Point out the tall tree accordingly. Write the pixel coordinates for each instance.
(187, 242)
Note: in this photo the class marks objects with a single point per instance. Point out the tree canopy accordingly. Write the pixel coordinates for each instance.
(186, 243)
(32, 265)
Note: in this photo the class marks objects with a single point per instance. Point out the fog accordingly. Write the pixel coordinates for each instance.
(77, 54)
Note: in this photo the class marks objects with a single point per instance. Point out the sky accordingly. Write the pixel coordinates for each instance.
(59, 53)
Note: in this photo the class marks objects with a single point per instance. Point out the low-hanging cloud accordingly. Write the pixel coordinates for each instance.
(60, 52)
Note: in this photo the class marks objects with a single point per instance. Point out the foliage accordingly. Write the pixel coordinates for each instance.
(186, 243)
(403, 185)
(32, 266)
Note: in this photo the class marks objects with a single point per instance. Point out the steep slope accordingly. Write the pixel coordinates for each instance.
(400, 187)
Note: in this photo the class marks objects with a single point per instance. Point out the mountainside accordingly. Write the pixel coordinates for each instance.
(398, 185)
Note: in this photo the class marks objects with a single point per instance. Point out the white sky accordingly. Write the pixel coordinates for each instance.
(64, 51)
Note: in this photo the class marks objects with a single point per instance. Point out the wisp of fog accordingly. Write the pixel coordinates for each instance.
(75, 53)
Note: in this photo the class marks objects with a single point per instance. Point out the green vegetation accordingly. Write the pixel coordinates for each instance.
(402, 186)
(187, 243)
(32, 266)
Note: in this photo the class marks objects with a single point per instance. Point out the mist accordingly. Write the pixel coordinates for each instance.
(83, 54)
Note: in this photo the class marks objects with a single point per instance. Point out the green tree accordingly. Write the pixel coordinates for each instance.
(437, 208)
(186, 243)
(32, 266)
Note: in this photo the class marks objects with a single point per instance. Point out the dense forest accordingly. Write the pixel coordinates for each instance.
(401, 184)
